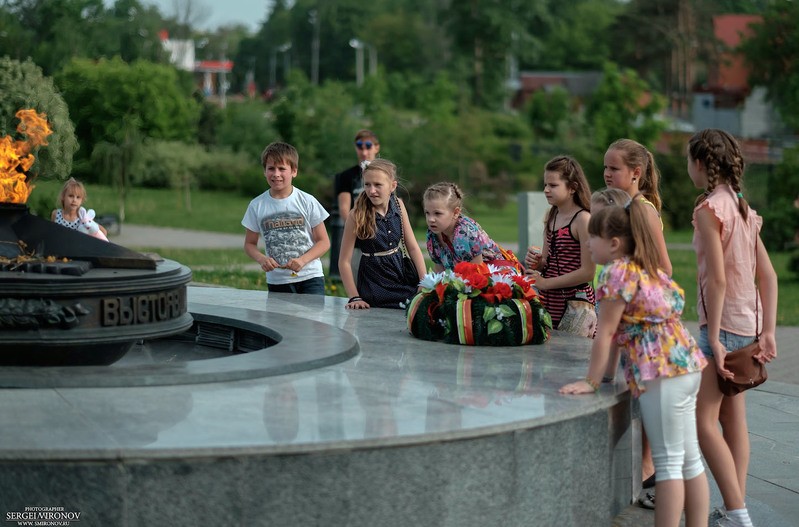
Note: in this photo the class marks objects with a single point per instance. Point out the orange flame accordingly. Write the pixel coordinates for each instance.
(16, 158)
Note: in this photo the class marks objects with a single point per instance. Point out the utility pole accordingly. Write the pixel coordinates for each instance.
(313, 18)
(223, 78)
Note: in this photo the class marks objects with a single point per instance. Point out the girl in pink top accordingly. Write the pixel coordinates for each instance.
(730, 257)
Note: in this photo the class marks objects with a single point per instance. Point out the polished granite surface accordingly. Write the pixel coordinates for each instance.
(396, 390)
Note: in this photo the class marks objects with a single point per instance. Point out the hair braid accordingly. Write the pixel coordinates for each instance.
(448, 192)
(723, 161)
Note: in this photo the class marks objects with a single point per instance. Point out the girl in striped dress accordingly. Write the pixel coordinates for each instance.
(564, 270)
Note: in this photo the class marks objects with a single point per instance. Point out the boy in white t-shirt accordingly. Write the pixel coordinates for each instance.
(291, 223)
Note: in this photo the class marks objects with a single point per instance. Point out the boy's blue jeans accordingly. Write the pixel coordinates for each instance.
(312, 286)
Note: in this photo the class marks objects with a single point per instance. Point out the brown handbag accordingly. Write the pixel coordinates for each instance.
(747, 370)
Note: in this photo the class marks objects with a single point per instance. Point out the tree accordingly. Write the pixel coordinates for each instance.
(772, 53)
(484, 33)
(624, 106)
(107, 96)
(118, 160)
(576, 35)
(52, 32)
(548, 110)
(24, 86)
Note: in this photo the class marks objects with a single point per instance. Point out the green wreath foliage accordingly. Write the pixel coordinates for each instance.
(493, 297)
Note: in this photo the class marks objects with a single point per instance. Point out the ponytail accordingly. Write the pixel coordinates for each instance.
(650, 182)
(629, 224)
(645, 250)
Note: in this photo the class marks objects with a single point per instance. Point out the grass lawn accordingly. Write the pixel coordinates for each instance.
(222, 212)
(210, 211)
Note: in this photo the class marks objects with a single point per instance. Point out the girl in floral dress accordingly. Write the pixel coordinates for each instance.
(453, 237)
(640, 308)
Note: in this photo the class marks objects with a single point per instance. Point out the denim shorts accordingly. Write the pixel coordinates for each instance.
(729, 340)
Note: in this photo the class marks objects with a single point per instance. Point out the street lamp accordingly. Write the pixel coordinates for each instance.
(359, 46)
(273, 64)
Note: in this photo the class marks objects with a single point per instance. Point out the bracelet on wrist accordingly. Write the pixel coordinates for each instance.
(592, 383)
(354, 299)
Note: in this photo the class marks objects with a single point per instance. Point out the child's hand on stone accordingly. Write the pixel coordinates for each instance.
(577, 388)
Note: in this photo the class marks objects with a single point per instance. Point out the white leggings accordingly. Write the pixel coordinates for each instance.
(668, 409)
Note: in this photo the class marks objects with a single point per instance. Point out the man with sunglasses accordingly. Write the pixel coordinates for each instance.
(347, 186)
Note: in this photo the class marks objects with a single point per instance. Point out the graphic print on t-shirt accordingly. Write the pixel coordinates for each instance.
(357, 187)
(285, 236)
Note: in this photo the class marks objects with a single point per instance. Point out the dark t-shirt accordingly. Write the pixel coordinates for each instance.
(350, 181)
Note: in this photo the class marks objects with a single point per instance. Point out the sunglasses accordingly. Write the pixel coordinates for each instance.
(367, 145)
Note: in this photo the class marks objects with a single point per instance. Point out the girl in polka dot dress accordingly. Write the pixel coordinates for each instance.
(376, 225)
(71, 198)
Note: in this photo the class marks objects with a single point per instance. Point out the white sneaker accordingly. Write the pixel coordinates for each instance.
(717, 514)
(724, 521)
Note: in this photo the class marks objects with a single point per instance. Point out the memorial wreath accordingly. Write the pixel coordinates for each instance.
(478, 304)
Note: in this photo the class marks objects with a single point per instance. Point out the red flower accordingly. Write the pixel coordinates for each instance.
(476, 280)
(498, 292)
(526, 286)
(440, 289)
(464, 268)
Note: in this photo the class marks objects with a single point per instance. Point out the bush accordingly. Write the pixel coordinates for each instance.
(677, 190)
(780, 224)
(23, 85)
(222, 169)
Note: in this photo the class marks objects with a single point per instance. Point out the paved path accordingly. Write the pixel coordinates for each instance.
(139, 236)
(772, 409)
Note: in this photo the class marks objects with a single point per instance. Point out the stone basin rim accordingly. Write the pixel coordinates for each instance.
(314, 347)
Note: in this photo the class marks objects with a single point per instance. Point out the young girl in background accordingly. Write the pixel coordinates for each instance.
(563, 269)
(71, 198)
(376, 225)
(629, 166)
(453, 237)
(730, 257)
(608, 196)
(640, 309)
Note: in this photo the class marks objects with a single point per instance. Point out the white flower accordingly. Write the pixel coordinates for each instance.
(431, 280)
(503, 278)
(493, 269)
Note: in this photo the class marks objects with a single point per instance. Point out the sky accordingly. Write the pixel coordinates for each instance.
(222, 12)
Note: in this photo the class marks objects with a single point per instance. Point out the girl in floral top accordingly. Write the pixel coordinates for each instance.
(452, 237)
(640, 309)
